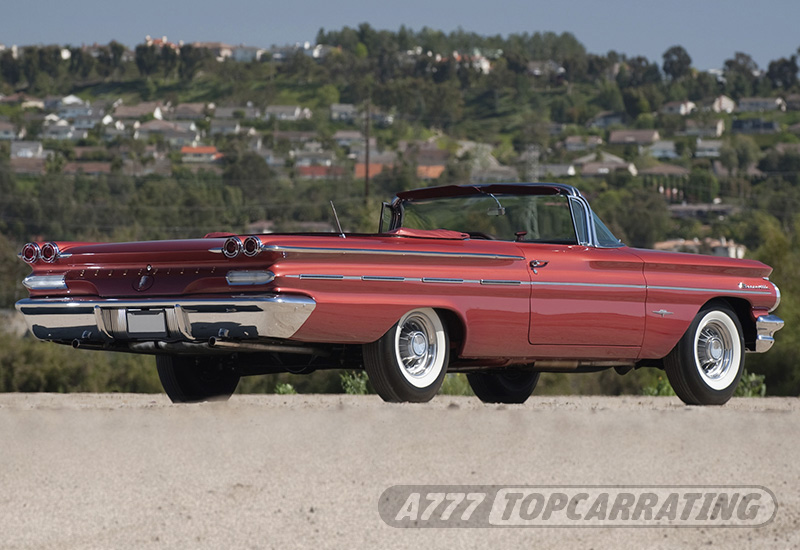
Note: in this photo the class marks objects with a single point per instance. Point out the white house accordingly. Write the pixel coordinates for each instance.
(287, 112)
(9, 132)
(713, 128)
(681, 108)
(757, 104)
(708, 148)
(663, 149)
(343, 112)
(720, 104)
(27, 150)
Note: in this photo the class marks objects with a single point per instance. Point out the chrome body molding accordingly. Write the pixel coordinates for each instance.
(184, 319)
(500, 282)
(766, 327)
(663, 312)
(383, 252)
(448, 280)
(777, 296)
(45, 282)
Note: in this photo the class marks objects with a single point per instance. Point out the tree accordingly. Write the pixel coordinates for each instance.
(782, 73)
(10, 70)
(740, 75)
(147, 59)
(169, 60)
(739, 154)
(677, 62)
(190, 60)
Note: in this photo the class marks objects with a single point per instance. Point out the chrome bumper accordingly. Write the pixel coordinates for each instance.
(192, 320)
(766, 327)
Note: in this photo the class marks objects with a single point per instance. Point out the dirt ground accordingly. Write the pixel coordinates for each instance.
(307, 471)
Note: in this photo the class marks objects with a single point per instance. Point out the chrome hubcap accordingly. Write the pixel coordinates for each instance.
(715, 350)
(417, 346)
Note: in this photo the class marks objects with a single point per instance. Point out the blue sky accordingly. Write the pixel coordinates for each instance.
(710, 30)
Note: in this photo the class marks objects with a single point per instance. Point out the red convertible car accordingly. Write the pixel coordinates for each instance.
(501, 281)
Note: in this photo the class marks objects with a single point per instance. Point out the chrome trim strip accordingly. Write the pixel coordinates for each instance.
(215, 250)
(384, 278)
(249, 277)
(321, 277)
(45, 282)
(442, 280)
(599, 285)
(378, 252)
(722, 290)
(500, 282)
(777, 296)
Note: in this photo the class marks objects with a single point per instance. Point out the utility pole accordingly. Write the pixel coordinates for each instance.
(533, 163)
(366, 151)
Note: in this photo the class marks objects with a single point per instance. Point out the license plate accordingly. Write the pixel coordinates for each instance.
(147, 323)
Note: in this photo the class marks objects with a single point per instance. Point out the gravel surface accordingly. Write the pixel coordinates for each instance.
(307, 471)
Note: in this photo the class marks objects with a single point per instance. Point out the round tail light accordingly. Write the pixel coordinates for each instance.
(30, 252)
(232, 247)
(50, 252)
(251, 246)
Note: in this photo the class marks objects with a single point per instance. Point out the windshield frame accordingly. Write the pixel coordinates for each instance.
(577, 204)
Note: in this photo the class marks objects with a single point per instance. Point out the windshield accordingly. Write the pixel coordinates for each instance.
(533, 218)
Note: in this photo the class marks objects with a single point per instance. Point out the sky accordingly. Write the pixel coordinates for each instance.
(710, 30)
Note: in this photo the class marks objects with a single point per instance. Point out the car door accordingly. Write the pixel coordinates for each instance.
(585, 296)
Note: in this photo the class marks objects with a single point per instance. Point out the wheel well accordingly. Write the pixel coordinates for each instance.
(455, 330)
(743, 310)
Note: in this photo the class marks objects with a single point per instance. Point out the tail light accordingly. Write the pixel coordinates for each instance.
(49, 252)
(30, 253)
(251, 246)
(232, 247)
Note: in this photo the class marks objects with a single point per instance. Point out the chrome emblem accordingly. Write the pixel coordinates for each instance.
(145, 282)
(662, 312)
(753, 287)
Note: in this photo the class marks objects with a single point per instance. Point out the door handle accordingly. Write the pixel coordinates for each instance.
(538, 263)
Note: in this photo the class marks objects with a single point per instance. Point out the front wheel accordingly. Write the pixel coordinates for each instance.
(188, 379)
(409, 362)
(510, 386)
(705, 366)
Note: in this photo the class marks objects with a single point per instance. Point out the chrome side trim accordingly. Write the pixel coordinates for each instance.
(766, 327)
(777, 296)
(500, 282)
(599, 285)
(442, 280)
(189, 319)
(385, 278)
(720, 290)
(321, 277)
(379, 252)
(45, 282)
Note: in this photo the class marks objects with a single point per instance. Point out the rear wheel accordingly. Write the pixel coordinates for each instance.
(189, 379)
(705, 366)
(510, 386)
(409, 362)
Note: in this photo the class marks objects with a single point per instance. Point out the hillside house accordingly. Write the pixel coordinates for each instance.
(633, 137)
(287, 112)
(681, 108)
(760, 104)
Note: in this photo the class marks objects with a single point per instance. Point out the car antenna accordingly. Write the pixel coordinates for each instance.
(339, 225)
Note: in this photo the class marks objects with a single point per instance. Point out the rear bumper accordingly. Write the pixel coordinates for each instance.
(766, 327)
(177, 319)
